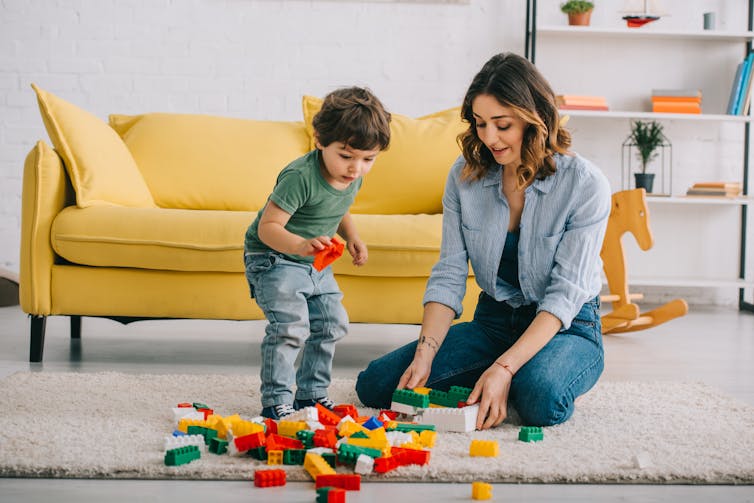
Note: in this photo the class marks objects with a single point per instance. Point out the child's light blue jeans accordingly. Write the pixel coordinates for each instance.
(542, 391)
(303, 307)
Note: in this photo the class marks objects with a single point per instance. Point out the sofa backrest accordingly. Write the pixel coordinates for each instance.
(208, 162)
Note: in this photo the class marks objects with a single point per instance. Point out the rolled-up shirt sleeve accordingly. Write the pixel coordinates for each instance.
(576, 272)
(447, 282)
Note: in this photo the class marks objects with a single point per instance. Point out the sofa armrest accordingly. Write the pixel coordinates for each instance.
(46, 191)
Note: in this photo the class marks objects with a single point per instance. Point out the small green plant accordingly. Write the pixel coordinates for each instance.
(647, 136)
(576, 6)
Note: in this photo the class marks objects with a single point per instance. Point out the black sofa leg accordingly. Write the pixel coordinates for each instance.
(75, 327)
(37, 346)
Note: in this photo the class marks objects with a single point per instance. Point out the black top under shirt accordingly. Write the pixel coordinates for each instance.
(508, 270)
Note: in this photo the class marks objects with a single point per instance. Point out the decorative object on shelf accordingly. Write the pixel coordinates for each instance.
(645, 143)
(581, 102)
(629, 213)
(641, 12)
(709, 20)
(579, 12)
(715, 189)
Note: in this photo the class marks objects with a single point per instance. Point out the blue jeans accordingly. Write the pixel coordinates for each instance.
(542, 391)
(303, 307)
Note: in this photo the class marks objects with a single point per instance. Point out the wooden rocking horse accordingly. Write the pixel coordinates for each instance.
(629, 213)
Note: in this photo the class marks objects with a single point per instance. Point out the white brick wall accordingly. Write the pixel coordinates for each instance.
(252, 59)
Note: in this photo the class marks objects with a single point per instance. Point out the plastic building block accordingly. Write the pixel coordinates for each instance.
(344, 410)
(422, 390)
(372, 423)
(364, 465)
(243, 428)
(408, 397)
(427, 438)
(182, 455)
(173, 442)
(359, 434)
(291, 428)
(279, 442)
(411, 456)
(415, 427)
(218, 446)
(326, 416)
(330, 458)
(315, 465)
(331, 495)
(329, 255)
(259, 453)
(294, 456)
(269, 478)
(347, 481)
(531, 434)
(247, 442)
(200, 405)
(448, 419)
(306, 437)
(484, 448)
(348, 428)
(324, 438)
(458, 393)
(274, 457)
(348, 453)
(481, 491)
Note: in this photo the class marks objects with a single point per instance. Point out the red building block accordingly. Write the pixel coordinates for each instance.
(269, 478)
(326, 416)
(347, 481)
(325, 438)
(331, 495)
(410, 456)
(344, 410)
(251, 441)
(277, 442)
(272, 426)
(329, 255)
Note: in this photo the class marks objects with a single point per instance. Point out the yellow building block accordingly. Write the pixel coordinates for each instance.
(275, 457)
(315, 465)
(290, 428)
(184, 423)
(422, 390)
(242, 428)
(348, 428)
(487, 448)
(481, 491)
(217, 422)
(427, 438)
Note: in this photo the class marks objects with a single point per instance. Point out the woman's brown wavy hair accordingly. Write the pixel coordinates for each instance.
(517, 84)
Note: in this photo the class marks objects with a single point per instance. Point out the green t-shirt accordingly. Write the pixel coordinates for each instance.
(315, 206)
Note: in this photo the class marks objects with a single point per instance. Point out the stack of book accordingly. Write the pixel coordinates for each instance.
(677, 101)
(719, 189)
(576, 102)
(740, 93)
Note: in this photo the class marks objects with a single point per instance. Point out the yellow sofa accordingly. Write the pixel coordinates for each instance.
(145, 217)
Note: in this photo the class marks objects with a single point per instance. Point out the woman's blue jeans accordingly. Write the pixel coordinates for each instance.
(303, 307)
(542, 391)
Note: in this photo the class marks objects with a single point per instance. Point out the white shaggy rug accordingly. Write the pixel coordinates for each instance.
(112, 425)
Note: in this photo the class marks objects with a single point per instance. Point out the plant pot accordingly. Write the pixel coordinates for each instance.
(644, 181)
(579, 18)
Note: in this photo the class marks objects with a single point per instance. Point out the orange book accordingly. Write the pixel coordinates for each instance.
(676, 108)
(583, 107)
(564, 99)
(678, 99)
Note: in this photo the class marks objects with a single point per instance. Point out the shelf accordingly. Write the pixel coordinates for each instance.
(715, 200)
(691, 282)
(587, 31)
(595, 114)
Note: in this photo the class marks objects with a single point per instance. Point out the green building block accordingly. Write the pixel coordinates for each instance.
(182, 455)
(359, 434)
(259, 453)
(414, 427)
(306, 437)
(408, 397)
(200, 405)
(329, 458)
(458, 394)
(218, 445)
(440, 398)
(531, 434)
(347, 453)
(294, 456)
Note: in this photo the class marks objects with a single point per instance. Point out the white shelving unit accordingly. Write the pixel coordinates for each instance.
(547, 37)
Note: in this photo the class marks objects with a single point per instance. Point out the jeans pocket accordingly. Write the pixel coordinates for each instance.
(256, 265)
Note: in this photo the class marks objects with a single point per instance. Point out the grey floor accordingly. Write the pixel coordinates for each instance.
(711, 345)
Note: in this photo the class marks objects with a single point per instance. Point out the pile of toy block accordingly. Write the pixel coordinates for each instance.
(321, 439)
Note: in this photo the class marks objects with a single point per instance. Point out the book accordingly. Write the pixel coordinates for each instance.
(717, 185)
(693, 93)
(571, 99)
(710, 192)
(745, 76)
(743, 108)
(716, 188)
(676, 107)
(678, 99)
(737, 83)
(603, 108)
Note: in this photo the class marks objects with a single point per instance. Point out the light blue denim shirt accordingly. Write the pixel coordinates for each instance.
(562, 227)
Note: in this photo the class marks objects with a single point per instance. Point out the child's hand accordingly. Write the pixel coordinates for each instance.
(313, 245)
(358, 250)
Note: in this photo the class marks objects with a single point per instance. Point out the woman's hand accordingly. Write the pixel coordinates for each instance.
(418, 371)
(358, 250)
(493, 386)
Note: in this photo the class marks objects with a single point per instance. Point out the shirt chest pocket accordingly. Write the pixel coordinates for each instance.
(543, 252)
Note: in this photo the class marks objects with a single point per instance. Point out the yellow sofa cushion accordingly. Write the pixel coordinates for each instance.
(410, 176)
(99, 165)
(212, 241)
(207, 162)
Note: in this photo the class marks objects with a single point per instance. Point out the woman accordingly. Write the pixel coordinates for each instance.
(530, 217)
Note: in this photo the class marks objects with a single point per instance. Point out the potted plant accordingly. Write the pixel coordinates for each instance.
(647, 137)
(579, 12)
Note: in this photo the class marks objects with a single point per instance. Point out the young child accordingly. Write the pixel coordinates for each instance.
(308, 205)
